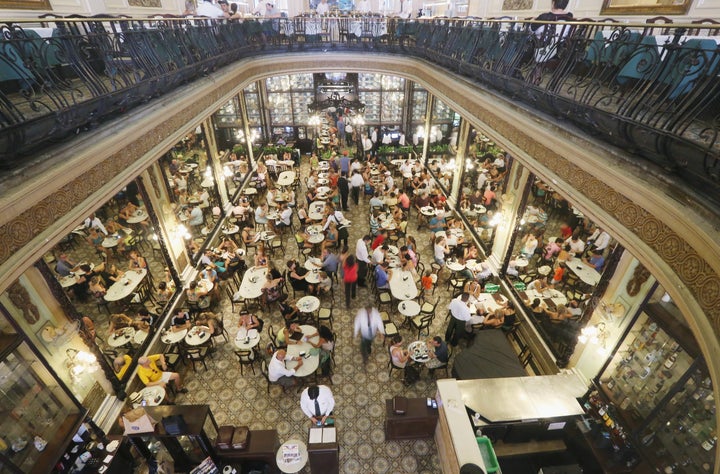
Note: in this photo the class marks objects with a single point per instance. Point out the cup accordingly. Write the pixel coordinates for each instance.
(302, 353)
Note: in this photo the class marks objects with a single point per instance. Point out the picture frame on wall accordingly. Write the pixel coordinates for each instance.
(645, 7)
(515, 5)
(26, 4)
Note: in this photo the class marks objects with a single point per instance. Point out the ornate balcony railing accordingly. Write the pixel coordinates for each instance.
(651, 89)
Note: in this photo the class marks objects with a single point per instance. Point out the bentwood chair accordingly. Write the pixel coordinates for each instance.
(246, 358)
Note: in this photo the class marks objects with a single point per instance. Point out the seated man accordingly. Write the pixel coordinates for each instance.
(278, 373)
(317, 403)
(438, 353)
(180, 321)
(381, 277)
(121, 364)
(151, 375)
(324, 283)
(597, 261)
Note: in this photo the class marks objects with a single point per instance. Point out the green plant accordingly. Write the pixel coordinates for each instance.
(386, 150)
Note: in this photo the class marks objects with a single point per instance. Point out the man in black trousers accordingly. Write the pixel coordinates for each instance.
(344, 189)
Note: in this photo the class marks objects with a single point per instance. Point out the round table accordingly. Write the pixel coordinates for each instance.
(292, 456)
(313, 276)
(428, 211)
(316, 238)
(205, 285)
(249, 191)
(286, 178)
(151, 396)
(126, 285)
(68, 281)
(111, 241)
(314, 229)
(137, 217)
(312, 358)
(521, 262)
(402, 285)
(409, 308)
(418, 351)
(231, 229)
(245, 340)
(173, 337)
(252, 282)
(455, 266)
(312, 263)
(308, 304)
(266, 235)
(198, 335)
(121, 337)
(316, 210)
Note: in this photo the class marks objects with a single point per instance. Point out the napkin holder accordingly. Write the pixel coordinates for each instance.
(399, 405)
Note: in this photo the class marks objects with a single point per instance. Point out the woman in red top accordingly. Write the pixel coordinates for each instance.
(350, 277)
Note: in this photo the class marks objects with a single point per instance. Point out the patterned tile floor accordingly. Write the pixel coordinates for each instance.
(360, 392)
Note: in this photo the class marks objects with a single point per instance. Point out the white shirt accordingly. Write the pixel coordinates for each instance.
(576, 247)
(97, 223)
(322, 8)
(367, 144)
(357, 181)
(277, 369)
(368, 324)
(285, 216)
(439, 252)
(459, 309)
(207, 8)
(325, 400)
(378, 255)
(363, 6)
(600, 239)
(361, 251)
(355, 166)
(386, 139)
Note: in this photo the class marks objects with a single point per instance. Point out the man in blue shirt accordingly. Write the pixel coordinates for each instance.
(381, 277)
(439, 355)
(597, 261)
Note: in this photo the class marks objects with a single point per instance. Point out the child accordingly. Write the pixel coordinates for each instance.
(558, 275)
(427, 281)
(324, 284)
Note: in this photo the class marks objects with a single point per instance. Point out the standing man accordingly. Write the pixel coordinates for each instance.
(363, 258)
(344, 189)
(460, 313)
(357, 183)
(317, 403)
(368, 324)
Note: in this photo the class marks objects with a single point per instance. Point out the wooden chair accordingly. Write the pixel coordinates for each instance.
(264, 372)
(246, 358)
(220, 329)
(325, 315)
(392, 366)
(384, 298)
(234, 299)
(445, 366)
(423, 321)
(197, 355)
(390, 327)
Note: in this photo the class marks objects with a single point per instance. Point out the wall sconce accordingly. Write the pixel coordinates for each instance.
(496, 219)
(79, 363)
(596, 335)
(182, 232)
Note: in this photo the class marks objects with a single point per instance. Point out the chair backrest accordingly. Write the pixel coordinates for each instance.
(264, 369)
(272, 334)
(245, 357)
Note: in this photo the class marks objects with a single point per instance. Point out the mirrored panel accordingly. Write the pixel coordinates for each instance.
(557, 263)
(111, 273)
(484, 178)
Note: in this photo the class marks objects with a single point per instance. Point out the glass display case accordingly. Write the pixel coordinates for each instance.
(372, 105)
(658, 387)
(37, 415)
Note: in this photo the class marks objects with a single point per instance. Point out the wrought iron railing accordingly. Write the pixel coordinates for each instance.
(651, 89)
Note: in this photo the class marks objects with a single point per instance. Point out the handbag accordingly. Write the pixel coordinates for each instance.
(174, 425)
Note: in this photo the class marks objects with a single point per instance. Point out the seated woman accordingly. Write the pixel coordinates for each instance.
(271, 289)
(539, 285)
(303, 238)
(118, 322)
(440, 250)
(97, 287)
(400, 358)
(510, 316)
(291, 334)
(537, 307)
(261, 259)
(288, 309)
(95, 238)
(228, 245)
(473, 288)
(331, 236)
(560, 315)
(495, 319)
(210, 320)
(298, 275)
(302, 214)
(326, 345)
(193, 293)
(163, 293)
(248, 236)
(470, 253)
(137, 262)
(249, 321)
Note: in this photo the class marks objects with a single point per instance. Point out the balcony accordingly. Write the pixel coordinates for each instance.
(649, 89)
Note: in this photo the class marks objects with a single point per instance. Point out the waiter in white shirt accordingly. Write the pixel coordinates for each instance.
(322, 8)
(317, 403)
(368, 323)
(461, 315)
(363, 258)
